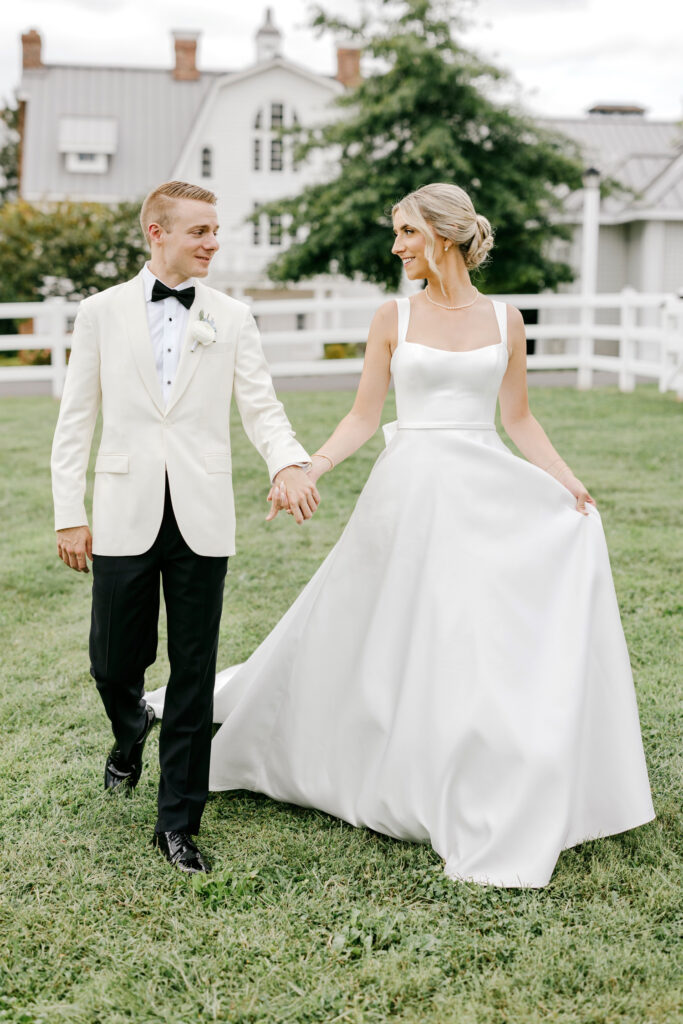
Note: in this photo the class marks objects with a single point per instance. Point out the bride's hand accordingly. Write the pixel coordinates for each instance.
(277, 496)
(575, 487)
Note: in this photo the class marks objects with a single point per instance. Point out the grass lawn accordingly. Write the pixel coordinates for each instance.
(305, 918)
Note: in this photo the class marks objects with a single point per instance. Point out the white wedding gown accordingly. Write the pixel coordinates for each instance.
(455, 672)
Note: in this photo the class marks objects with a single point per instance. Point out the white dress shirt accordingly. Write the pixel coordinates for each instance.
(167, 321)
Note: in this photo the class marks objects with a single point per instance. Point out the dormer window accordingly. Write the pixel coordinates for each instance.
(86, 163)
(88, 143)
(207, 162)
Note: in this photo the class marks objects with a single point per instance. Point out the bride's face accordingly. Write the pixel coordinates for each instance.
(409, 246)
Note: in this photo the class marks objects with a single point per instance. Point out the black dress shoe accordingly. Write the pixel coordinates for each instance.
(181, 852)
(123, 774)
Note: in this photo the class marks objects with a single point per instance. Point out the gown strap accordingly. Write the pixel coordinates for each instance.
(403, 306)
(501, 311)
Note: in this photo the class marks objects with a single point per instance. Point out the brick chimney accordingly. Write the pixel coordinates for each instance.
(31, 44)
(185, 69)
(348, 66)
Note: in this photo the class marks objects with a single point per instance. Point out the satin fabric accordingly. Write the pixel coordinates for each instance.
(455, 672)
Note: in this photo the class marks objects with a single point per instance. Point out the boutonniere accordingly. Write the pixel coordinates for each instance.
(203, 330)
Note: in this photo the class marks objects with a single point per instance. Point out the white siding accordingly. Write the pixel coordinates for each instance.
(227, 127)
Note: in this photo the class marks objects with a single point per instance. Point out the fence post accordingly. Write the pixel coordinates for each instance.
(57, 320)
(584, 376)
(319, 317)
(590, 234)
(627, 309)
(671, 373)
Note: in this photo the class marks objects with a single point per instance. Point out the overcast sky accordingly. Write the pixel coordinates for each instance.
(565, 54)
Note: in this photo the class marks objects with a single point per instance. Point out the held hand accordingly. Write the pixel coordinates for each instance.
(280, 502)
(74, 546)
(294, 490)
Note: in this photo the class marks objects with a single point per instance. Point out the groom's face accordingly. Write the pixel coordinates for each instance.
(190, 242)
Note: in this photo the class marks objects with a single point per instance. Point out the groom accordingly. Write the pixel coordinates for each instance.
(161, 356)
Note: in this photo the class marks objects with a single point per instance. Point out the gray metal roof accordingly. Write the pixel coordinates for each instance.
(154, 114)
(634, 151)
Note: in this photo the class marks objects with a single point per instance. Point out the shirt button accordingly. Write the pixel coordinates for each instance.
(168, 382)
(170, 319)
(168, 350)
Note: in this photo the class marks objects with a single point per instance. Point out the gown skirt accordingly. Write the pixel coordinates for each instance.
(455, 672)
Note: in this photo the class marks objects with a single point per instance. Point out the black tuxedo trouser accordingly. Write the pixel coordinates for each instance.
(123, 644)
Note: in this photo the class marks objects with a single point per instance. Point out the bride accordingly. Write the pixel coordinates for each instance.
(455, 672)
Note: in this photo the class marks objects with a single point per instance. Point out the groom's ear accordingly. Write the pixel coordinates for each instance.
(154, 232)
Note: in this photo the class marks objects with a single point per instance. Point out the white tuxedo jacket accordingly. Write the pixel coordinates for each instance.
(112, 367)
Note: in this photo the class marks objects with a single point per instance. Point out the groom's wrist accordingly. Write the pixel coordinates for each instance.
(292, 465)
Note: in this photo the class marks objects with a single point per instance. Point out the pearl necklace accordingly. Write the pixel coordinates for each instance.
(441, 306)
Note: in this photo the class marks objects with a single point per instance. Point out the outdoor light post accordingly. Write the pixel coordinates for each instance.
(589, 273)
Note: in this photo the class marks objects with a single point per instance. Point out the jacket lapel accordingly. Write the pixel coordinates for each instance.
(189, 361)
(135, 317)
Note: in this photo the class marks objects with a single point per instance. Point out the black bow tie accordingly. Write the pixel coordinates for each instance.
(161, 291)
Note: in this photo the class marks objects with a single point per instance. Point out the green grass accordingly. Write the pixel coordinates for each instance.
(305, 918)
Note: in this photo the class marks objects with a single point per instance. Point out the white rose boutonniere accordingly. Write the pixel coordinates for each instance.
(203, 330)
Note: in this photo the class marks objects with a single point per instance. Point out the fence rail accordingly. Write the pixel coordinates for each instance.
(642, 338)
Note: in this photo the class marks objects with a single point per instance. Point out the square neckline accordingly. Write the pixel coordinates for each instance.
(451, 351)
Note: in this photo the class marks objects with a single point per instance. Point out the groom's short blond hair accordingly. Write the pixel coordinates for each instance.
(157, 207)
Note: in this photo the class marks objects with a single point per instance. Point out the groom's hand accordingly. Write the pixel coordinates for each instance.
(74, 545)
(293, 490)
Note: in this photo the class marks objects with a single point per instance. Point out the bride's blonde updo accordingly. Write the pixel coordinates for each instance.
(447, 211)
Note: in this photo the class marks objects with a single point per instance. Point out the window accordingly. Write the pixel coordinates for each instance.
(207, 161)
(276, 230)
(276, 155)
(88, 163)
(276, 116)
(301, 321)
(88, 143)
(257, 154)
(256, 229)
(258, 121)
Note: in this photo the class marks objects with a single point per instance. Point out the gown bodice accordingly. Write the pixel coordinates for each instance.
(442, 389)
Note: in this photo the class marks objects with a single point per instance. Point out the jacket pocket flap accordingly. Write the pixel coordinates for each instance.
(218, 462)
(111, 464)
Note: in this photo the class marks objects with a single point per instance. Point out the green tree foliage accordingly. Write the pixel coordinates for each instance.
(428, 112)
(9, 153)
(68, 249)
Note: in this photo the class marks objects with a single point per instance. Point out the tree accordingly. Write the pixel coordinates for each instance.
(428, 112)
(9, 153)
(68, 249)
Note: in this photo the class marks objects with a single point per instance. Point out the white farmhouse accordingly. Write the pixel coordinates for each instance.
(112, 133)
(641, 228)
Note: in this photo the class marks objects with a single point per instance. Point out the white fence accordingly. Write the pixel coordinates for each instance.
(628, 334)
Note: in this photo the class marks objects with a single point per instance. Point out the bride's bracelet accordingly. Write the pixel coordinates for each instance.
(561, 471)
(550, 465)
(321, 455)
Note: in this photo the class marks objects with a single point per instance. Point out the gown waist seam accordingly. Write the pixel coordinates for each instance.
(447, 425)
